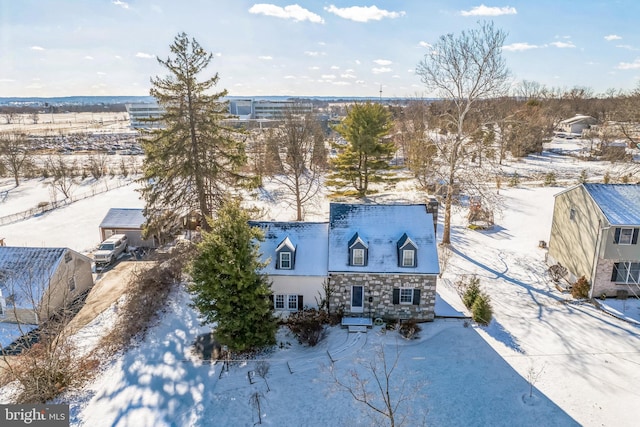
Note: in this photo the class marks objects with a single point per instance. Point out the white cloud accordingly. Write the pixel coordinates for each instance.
(37, 48)
(314, 67)
(101, 73)
(635, 65)
(360, 82)
(7, 80)
(289, 77)
(483, 10)
(383, 62)
(89, 57)
(381, 70)
(357, 61)
(395, 76)
(311, 53)
(612, 37)
(363, 13)
(518, 47)
(341, 83)
(293, 11)
(144, 55)
(563, 45)
(265, 57)
(425, 44)
(328, 76)
(626, 46)
(335, 67)
(122, 4)
(118, 57)
(347, 76)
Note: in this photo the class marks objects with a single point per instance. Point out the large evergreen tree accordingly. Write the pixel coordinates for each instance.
(227, 287)
(191, 161)
(367, 154)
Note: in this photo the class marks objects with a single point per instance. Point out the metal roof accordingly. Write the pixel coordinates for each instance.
(123, 218)
(620, 203)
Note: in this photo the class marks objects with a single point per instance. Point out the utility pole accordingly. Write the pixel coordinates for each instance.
(381, 93)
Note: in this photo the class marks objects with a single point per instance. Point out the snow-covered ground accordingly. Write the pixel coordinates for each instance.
(583, 362)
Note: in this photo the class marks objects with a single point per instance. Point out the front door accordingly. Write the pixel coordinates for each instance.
(357, 299)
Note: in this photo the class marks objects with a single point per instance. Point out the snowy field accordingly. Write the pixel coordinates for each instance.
(582, 362)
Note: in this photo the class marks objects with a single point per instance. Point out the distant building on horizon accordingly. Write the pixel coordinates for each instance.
(145, 115)
(262, 109)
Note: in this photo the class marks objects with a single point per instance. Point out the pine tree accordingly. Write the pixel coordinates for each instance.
(227, 288)
(192, 161)
(367, 155)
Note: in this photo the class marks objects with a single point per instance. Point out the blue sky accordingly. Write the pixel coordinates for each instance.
(305, 48)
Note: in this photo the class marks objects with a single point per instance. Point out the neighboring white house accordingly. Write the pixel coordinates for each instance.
(35, 283)
(378, 260)
(128, 221)
(574, 126)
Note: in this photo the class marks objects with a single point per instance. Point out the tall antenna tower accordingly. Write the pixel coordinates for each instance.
(380, 92)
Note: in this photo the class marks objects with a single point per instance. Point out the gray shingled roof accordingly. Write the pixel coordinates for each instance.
(123, 218)
(381, 227)
(620, 203)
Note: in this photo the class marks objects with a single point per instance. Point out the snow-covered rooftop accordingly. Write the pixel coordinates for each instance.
(309, 240)
(123, 218)
(381, 227)
(25, 272)
(620, 203)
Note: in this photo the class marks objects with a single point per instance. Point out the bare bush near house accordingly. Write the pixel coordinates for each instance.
(380, 389)
(557, 272)
(148, 291)
(262, 370)
(49, 367)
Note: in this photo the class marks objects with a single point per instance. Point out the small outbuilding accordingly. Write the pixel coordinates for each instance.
(128, 221)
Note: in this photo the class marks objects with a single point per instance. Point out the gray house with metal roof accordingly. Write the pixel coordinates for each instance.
(37, 282)
(378, 260)
(595, 233)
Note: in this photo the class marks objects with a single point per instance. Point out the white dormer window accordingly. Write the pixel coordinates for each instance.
(357, 257)
(285, 260)
(285, 255)
(358, 249)
(407, 252)
(408, 258)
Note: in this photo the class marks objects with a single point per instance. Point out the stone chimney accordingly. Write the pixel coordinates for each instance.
(432, 208)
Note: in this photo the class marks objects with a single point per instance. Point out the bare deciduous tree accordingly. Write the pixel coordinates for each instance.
(379, 388)
(300, 176)
(14, 153)
(62, 174)
(463, 70)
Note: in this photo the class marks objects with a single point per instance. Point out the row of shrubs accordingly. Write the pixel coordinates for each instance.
(476, 300)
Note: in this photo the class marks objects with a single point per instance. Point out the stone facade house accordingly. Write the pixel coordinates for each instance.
(378, 261)
(594, 233)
